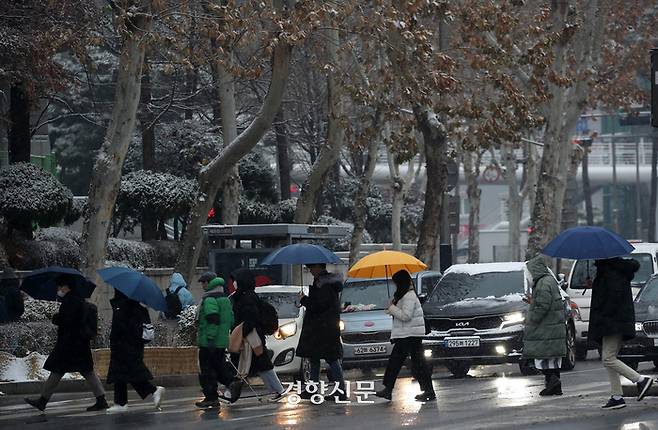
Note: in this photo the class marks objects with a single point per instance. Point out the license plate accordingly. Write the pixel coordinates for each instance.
(360, 350)
(464, 342)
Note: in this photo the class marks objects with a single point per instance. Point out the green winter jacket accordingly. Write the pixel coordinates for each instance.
(545, 329)
(215, 319)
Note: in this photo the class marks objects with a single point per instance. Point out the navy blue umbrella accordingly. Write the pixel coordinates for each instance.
(40, 284)
(588, 243)
(301, 253)
(135, 285)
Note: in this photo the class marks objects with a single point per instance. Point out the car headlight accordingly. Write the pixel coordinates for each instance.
(341, 325)
(638, 326)
(286, 331)
(513, 318)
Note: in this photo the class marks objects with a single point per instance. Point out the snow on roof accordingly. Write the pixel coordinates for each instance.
(474, 269)
(643, 247)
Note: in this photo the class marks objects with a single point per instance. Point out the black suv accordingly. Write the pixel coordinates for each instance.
(645, 345)
(476, 315)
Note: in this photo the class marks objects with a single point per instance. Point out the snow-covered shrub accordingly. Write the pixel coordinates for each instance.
(287, 210)
(52, 247)
(161, 194)
(187, 327)
(76, 211)
(254, 212)
(131, 253)
(166, 252)
(28, 193)
(21, 338)
(344, 243)
(39, 310)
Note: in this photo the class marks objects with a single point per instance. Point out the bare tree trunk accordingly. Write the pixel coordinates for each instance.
(514, 202)
(106, 176)
(435, 142)
(360, 209)
(400, 187)
(587, 189)
(330, 152)
(213, 175)
(569, 208)
(149, 223)
(283, 158)
(230, 210)
(473, 191)
(19, 131)
(654, 186)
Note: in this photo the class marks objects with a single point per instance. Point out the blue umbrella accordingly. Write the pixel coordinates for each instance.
(135, 285)
(301, 253)
(588, 243)
(40, 284)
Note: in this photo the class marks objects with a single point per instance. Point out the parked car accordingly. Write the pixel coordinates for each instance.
(645, 345)
(365, 326)
(282, 346)
(580, 288)
(476, 315)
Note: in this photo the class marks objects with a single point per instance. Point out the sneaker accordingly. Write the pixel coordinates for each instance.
(426, 396)
(614, 404)
(157, 396)
(643, 387)
(385, 394)
(207, 404)
(39, 403)
(100, 405)
(117, 409)
(276, 397)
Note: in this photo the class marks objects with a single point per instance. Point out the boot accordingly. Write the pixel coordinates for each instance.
(553, 387)
(39, 403)
(385, 393)
(236, 390)
(101, 404)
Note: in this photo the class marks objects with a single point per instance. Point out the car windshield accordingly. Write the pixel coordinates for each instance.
(454, 287)
(366, 295)
(584, 271)
(649, 293)
(284, 303)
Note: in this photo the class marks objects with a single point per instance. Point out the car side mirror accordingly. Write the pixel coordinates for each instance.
(422, 298)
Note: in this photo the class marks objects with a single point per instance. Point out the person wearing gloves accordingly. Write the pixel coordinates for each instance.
(406, 336)
(545, 336)
(215, 316)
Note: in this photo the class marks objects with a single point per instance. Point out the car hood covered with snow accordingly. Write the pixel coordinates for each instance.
(476, 307)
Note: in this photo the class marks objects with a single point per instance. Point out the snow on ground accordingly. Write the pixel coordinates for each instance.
(475, 269)
(24, 369)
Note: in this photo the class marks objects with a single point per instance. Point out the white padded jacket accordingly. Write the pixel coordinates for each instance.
(408, 318)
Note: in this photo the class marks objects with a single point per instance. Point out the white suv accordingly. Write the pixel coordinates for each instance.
(580, 287)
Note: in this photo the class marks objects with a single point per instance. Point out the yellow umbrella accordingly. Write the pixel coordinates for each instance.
(383, 264)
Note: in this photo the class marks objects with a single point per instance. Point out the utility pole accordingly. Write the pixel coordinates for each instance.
(654, 145)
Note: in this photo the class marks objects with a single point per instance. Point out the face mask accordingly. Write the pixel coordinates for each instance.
(60, 294)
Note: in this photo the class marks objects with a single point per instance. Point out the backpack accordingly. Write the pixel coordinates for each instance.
(89, 323)
(174, 305)
(268, 317)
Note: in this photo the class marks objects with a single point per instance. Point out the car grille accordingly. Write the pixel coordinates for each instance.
(477, 323)
(367, 337)
(651, 328)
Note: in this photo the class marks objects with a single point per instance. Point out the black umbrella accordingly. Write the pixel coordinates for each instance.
(40, 284)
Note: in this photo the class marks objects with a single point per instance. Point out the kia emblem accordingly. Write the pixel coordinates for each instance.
(369, 324)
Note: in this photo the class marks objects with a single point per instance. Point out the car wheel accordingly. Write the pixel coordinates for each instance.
(569, 361)
(527, 368)
(459, 369)
(304, 373)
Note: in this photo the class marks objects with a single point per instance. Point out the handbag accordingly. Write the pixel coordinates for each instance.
(148, 332)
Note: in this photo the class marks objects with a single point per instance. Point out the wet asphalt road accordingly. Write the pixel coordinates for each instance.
(492, 397)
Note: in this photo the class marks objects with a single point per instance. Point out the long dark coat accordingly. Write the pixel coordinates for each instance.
(126, 343)
(72, 352)
(611, 309)
(320, 337)
(247, 312)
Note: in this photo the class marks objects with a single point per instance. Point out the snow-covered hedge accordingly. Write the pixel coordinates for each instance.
(21, 338)
(132, 253)
(39, 310)
(161, 194)
(29, 193)
(187, 327)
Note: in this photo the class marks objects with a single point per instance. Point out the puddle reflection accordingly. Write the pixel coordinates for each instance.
(515, 391)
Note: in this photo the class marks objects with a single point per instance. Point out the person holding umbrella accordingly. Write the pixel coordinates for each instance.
(612, 315)
(72, 352)
(320, 336)
(127, 353)
(407, 338)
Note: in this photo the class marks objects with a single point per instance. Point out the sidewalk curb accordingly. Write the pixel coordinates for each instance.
(79, 385)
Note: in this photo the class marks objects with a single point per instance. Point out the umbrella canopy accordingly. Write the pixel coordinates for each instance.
(384, 264)
(588, 243)
(135, 285)
(40, 284)
(301, 253)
